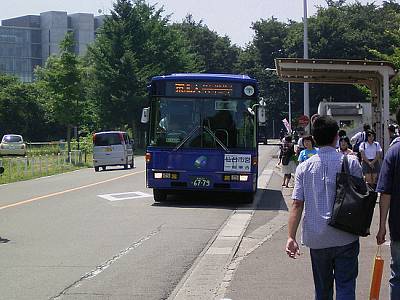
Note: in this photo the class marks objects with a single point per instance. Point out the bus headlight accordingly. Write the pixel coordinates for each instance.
(166, 175)
(236, 177)
(243, 177)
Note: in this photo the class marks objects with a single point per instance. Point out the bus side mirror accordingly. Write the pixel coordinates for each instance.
(1, 170)
(262, 118)
(145, 115)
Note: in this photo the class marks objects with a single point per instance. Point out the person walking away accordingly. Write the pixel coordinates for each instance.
(288, 165)
(309, 148)
(359, 138)
(334, 253)
(389, 187)
(344, 146)
(371, 154)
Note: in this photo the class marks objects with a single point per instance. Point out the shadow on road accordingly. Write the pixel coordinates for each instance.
(267, 200)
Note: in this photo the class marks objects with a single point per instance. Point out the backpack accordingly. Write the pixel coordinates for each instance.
(356, 147)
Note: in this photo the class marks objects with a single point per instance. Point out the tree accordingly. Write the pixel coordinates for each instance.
(134, 44)
(20, 110)
(61, 80)
(215, 53)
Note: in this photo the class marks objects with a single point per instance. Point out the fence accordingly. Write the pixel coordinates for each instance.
(23, 168)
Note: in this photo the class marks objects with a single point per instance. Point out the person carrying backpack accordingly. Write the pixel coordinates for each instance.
(359, 138)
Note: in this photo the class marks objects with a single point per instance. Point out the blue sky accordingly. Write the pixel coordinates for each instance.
(227, 17)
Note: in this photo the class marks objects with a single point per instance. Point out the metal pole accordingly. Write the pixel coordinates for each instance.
(306, 85)
(290, 108)
(273, 129)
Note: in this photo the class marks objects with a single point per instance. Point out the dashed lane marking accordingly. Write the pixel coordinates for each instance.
(67, 191)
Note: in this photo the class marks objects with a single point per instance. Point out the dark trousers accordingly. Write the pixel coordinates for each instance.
(339, 265)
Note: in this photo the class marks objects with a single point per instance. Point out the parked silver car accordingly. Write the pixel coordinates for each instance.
(12, 144)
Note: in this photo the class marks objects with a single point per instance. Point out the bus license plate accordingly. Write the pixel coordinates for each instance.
(201, 182)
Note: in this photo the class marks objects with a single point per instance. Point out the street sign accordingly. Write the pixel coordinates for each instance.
(303, 121)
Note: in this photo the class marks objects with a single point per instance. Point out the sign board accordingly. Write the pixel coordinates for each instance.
(287, 125)
(303, 120)
(237, 162)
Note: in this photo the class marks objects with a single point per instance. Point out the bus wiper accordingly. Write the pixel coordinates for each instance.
(216, 139)
(187, 138)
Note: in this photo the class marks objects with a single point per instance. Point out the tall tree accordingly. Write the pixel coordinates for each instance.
(61, 79)
(134, 44)
(216, 53)
(20, 110)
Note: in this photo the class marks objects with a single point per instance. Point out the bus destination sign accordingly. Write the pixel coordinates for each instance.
(203, 89)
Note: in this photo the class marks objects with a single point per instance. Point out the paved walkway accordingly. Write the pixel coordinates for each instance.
(261, 268)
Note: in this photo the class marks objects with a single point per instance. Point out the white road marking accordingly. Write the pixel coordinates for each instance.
(124, 196)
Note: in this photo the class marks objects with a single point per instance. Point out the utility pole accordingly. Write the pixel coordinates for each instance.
(306, 85)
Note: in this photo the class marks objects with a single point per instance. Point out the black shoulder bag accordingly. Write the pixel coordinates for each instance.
(354, 204)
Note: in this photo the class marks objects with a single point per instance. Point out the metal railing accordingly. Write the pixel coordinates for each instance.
(28, 167)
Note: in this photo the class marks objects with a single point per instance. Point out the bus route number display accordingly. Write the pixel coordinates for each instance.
(203, 89)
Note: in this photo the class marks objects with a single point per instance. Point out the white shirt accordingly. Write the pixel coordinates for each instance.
(370, 150)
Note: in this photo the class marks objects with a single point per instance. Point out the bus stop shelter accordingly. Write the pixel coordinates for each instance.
(376, 75)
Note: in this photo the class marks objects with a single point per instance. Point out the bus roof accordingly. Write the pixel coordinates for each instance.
(204, 76)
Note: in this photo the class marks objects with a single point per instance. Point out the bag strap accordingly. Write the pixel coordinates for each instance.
(345, 165)
(378, 251)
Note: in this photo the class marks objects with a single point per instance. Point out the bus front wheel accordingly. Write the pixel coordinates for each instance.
(159, 195)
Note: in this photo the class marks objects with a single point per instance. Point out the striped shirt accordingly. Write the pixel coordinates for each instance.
(315, 184)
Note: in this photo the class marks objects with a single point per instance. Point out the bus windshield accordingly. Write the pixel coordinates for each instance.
(202, 123)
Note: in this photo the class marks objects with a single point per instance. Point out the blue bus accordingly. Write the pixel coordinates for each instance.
(202, 134)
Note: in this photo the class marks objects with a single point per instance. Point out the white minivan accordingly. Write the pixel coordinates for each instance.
(112, 148)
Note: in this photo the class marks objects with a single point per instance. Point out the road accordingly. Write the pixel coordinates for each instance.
(87, 235)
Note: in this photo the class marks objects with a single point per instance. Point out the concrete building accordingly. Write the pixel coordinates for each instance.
(27, 41)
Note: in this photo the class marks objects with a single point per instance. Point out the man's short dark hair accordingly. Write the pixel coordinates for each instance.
(398, 116)
(325, 129)
(366, 127)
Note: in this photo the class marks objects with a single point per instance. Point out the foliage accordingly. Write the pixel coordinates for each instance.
(215, 54)
(61, 83)
(134, 44)
(20, 111)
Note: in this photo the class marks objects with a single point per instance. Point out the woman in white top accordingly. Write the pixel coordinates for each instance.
(371, 154)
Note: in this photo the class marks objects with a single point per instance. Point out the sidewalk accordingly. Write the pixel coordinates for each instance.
(264, 271)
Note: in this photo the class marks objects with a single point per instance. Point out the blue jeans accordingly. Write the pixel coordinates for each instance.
(394, 281)
(339, 264)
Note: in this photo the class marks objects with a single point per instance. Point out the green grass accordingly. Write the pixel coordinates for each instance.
(45, 161)
(18, 169)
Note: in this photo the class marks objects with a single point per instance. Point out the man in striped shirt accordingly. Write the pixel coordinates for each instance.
(334, 253)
